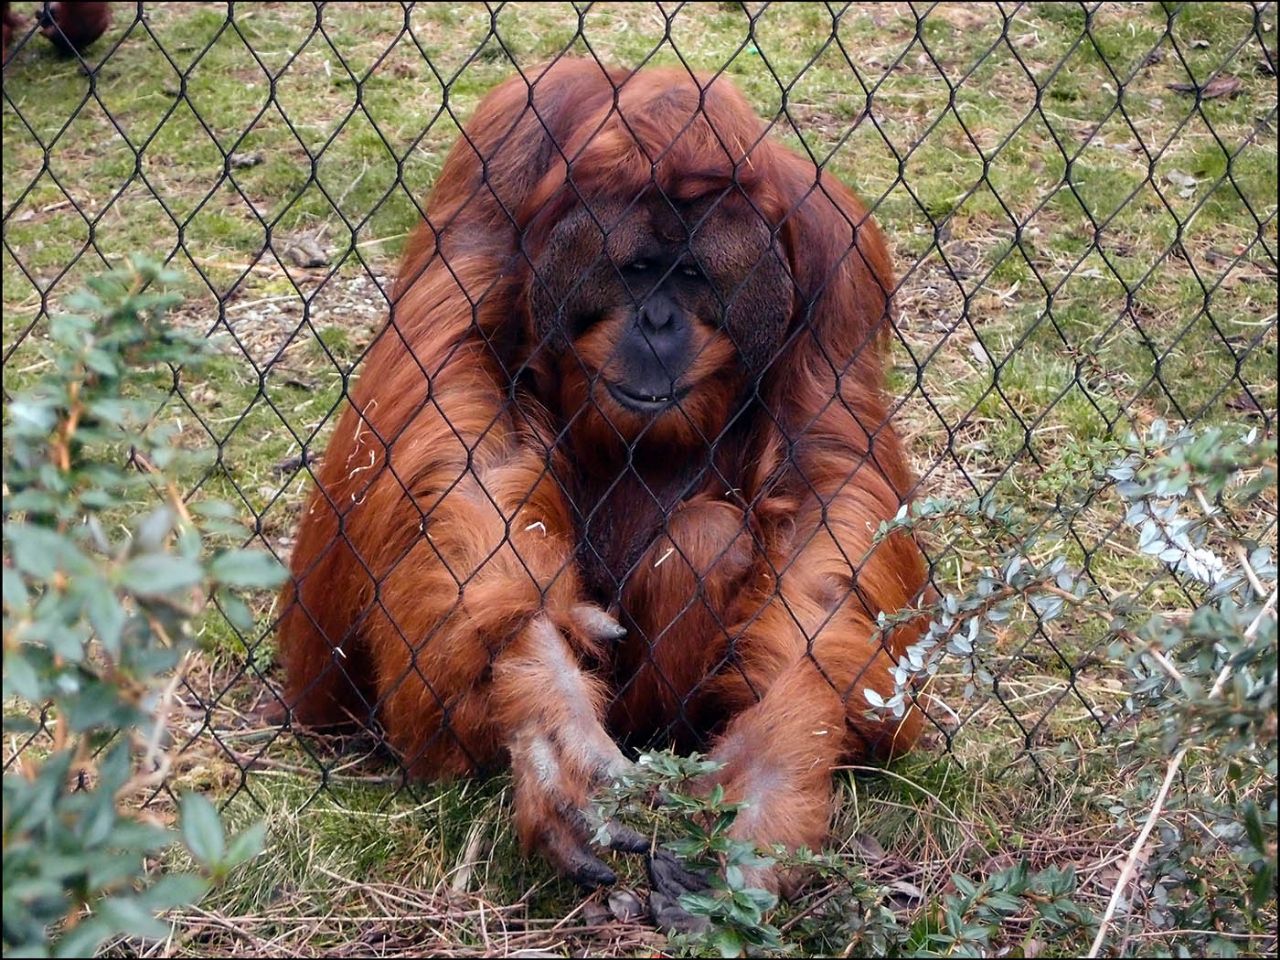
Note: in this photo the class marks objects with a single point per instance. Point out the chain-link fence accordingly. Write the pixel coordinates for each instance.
(1080, 200)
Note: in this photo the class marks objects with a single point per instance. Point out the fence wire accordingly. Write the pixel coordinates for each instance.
(1080, 199)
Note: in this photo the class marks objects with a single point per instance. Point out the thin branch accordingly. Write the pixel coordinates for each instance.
(1131, 862)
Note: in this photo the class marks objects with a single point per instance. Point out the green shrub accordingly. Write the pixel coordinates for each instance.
(96, 626)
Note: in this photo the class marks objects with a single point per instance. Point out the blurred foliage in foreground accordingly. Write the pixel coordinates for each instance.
(100, 588)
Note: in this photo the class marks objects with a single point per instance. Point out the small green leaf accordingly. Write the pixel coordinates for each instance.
(727, 942)
(1253, 827)
(1050, 913)
(32, 415)
(763, 899)
(36, 551)
(202, 830)
(247, 568)
(102, 362)
(83, 939)
(115, 766)
(111, 870)
(126, 915)
(236, 611)
(98, 704)
(21, 678)
(97, 819)
(1263, 889)
(142, 837)
(1005, 903)
(15, 591)
(115, 411)
(155, 575)
(174, 890)
(153, 529)
(246, 845)
(218, 509)
(734, 877)
(105, 613)
(700, 904)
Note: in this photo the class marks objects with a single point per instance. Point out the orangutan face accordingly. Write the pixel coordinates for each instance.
(662, 313)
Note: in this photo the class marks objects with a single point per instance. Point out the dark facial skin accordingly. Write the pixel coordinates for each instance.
(656, 348)
(658, 311)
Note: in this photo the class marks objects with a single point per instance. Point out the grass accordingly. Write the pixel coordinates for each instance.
(1072, 263)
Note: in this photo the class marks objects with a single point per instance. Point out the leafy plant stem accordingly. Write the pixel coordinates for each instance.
(1157, 806)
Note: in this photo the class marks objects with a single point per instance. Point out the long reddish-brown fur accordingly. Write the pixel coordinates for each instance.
(438, 580)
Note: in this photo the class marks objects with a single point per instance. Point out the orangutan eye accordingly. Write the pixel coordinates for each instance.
(691, 271)
(639, 266)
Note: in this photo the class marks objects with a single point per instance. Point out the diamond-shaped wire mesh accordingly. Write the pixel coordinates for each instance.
(1080, 199)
